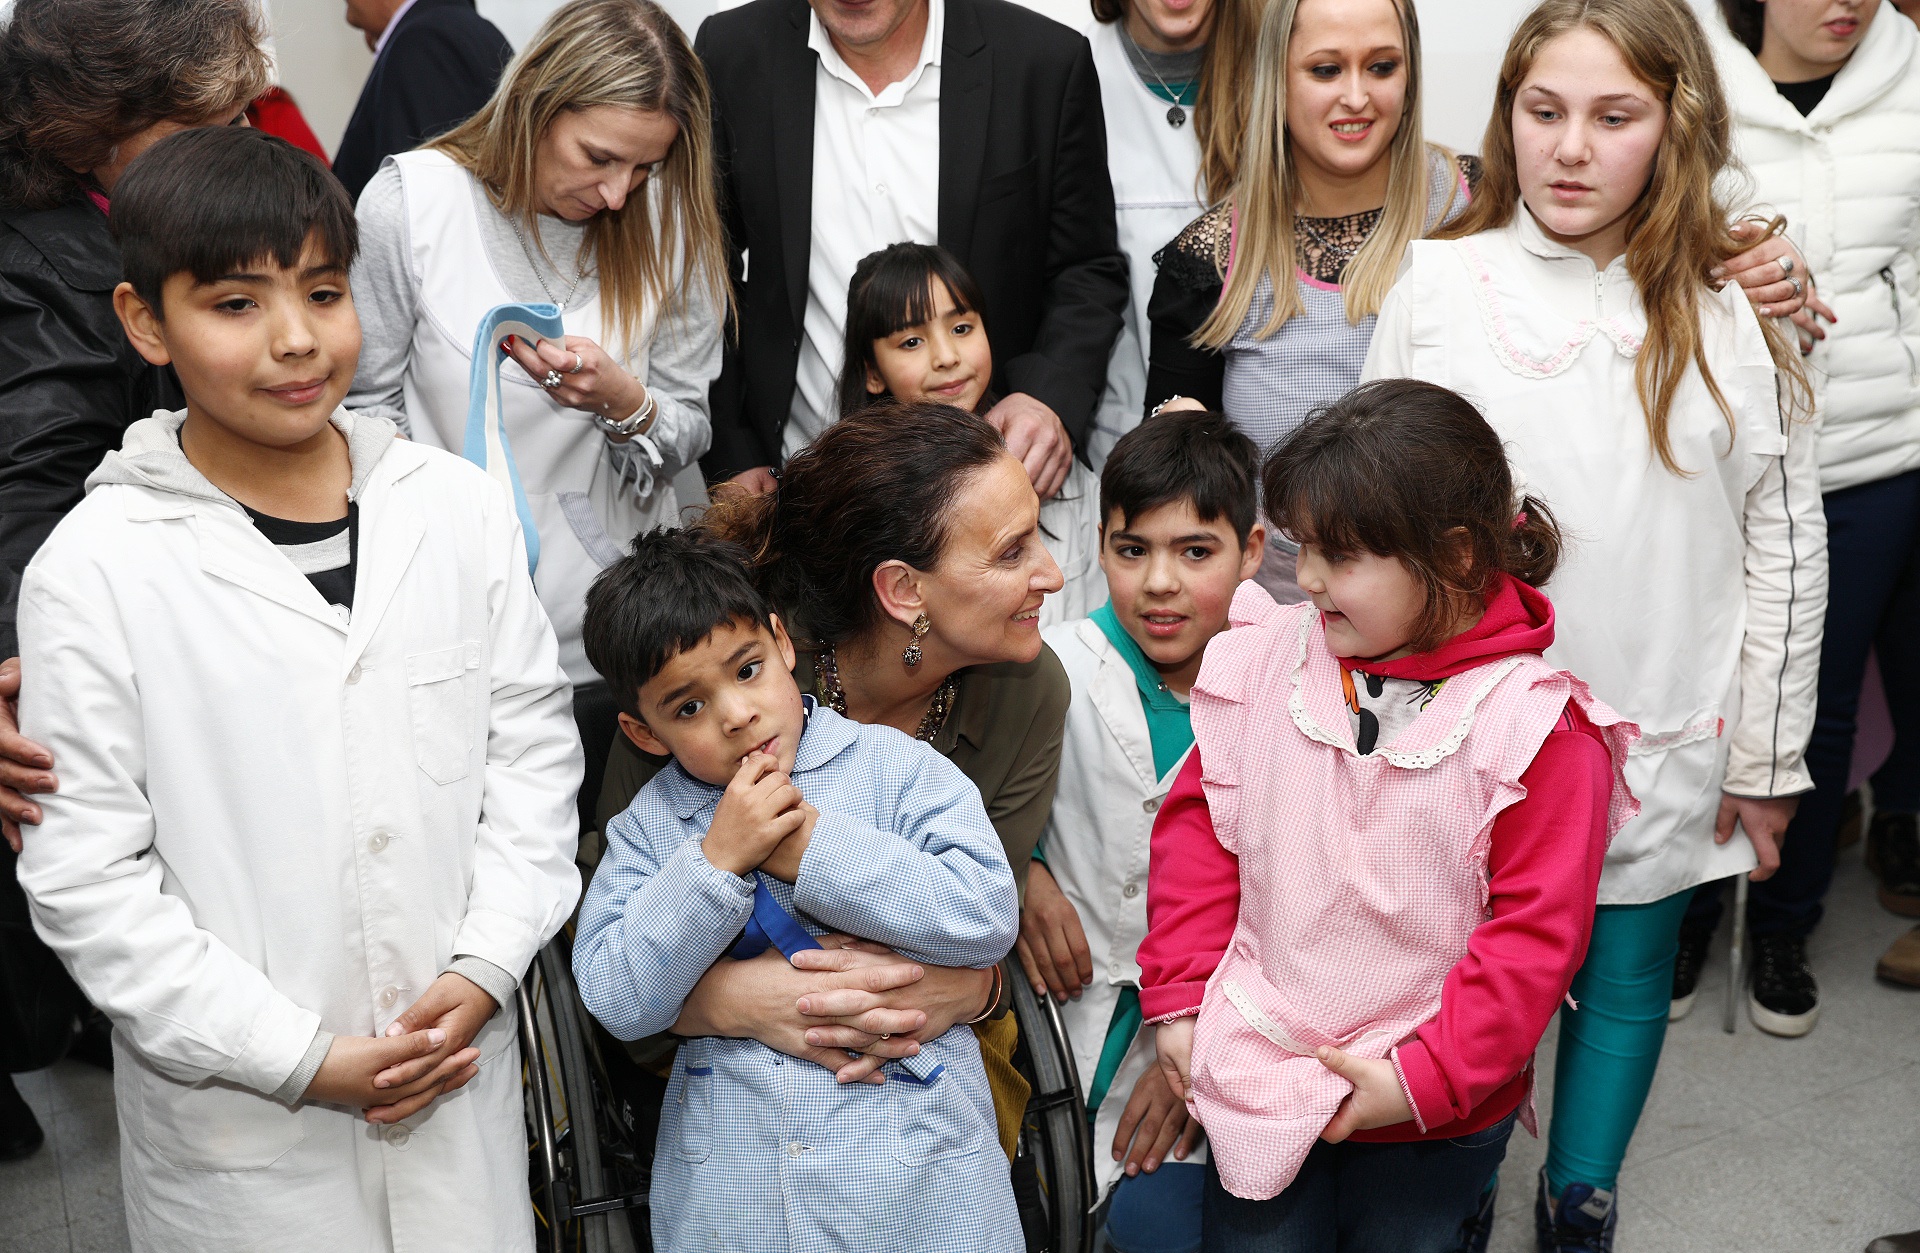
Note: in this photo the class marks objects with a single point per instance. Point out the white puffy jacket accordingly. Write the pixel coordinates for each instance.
(1847, 176)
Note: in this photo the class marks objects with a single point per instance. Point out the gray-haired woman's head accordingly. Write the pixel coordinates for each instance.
(80, 79)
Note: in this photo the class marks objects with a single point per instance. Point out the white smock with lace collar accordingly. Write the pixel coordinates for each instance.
(1692, 603)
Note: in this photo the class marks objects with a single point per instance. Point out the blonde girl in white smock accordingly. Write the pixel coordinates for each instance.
(1174, 85)
(586, 182)
(1574, 303)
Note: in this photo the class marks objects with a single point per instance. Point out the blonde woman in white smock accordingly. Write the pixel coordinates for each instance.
(1174, 83)
(586, 183)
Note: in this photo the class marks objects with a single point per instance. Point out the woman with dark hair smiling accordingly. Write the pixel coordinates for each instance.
(911, 573)
(85, 87)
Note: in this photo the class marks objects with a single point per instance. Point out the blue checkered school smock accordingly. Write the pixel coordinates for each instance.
(761, 1153)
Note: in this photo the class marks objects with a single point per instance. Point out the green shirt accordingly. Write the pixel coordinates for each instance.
(1169, 719)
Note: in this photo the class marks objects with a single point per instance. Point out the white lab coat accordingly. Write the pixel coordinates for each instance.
(272, 821)
(1156, 192)
(1692, 604)
(1097, 840)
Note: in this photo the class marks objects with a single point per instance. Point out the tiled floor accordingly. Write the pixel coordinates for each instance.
(1749, 1145)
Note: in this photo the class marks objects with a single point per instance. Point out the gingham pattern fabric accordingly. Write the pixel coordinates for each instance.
(1272, 384)
(1362, 877)
(762, 1153)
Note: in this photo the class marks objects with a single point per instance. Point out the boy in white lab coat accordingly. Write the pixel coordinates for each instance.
(317, 755)
(1178, 535)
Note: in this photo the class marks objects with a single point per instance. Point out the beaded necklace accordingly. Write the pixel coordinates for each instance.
(828, 669)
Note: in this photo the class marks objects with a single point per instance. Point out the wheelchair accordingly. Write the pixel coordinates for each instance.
(592, 1113)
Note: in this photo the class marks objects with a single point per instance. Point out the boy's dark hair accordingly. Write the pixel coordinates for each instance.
(891, 290)
(1747, 19)
(1406, 469)
(670, 591)
(212, 201)
(1188, 455)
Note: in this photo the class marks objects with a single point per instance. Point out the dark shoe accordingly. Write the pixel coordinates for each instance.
(1852, 818)
(1784, 999)
(20, 1134)
(1908, 1243)
(1477, 1232)
(93, 1040)
(1581, 1221)
(1901, 964)
(1694, 943)
(1893, 853)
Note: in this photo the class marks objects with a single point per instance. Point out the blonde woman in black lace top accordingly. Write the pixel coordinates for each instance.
(1264, 306)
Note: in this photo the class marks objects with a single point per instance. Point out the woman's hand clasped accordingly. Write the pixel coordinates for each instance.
(848, 997)
(579, 374)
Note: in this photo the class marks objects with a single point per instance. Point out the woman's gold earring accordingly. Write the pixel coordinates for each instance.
(912, 655)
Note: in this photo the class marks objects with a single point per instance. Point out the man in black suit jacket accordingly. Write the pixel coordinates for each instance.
(1025, 203)
(435, 63)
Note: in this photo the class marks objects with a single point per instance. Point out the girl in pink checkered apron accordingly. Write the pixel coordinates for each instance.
(1375, 878)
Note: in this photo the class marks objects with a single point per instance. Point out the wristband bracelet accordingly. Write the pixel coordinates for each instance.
(993, 1002)
(628, 426)
(1163, 404)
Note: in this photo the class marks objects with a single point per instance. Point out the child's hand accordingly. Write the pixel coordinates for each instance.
(760, 808)
(1154, 1119)
(784, 862)
(456, 1006)
(346, 1077)
(1173, 1042)
(1052, 945)
(1764, 821)
(1377, 1099)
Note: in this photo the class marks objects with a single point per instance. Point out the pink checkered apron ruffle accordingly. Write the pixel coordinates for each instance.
(1361, 877)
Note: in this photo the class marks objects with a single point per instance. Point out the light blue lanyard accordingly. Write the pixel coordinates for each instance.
(486, 439)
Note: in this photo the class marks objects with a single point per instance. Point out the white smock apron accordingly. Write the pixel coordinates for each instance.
(583, 508)
(1156, 179)
(1691, 602)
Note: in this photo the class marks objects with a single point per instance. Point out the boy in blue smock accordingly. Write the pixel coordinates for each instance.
(776, 821)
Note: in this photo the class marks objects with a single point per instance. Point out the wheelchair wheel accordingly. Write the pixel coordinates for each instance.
(1053, 1164)
(587, 1169)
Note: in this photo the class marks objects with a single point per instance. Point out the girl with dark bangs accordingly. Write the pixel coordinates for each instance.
(1374, 879)
(915, 333)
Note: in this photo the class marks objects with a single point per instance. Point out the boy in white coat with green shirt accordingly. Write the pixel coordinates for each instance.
(317, 755)
(1178, 536)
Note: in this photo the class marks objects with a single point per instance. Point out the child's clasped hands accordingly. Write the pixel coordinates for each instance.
(425, 1053)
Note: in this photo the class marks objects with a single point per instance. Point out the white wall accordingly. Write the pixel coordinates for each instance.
(323, 61)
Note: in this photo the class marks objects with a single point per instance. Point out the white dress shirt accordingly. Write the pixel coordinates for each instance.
(876, 181)
(392, 22)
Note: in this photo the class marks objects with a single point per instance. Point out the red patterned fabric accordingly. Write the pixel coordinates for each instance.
(275, 113)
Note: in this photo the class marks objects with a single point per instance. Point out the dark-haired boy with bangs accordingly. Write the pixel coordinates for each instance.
(1179, 533)
(317, 754)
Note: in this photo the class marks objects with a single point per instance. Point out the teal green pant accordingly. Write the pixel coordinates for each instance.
(1610, 1046)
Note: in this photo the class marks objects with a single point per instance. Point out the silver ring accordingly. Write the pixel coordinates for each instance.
(1797, 287)
(579, 364)
(886, 1035)
(552, 380)
(1786, 265)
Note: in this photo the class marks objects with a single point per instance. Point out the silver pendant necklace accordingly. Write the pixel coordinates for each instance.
(1176, 114)
(578, 278)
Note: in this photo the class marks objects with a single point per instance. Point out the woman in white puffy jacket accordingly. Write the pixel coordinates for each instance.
(1826, 105)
